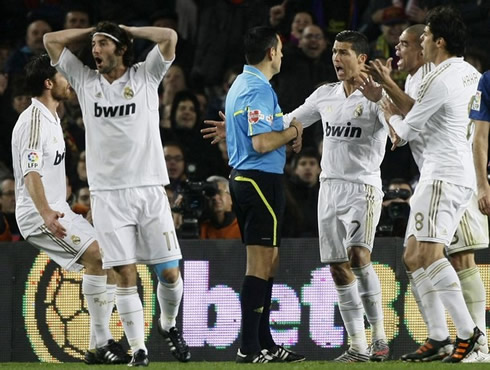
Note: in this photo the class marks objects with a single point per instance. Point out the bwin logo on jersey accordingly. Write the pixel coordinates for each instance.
(58, 158)
(118, 110)
(343, 131)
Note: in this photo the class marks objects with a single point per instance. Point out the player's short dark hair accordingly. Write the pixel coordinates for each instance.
(360, 43)
(37, 71)
(123, 37)
(446, 22)
(257, 41)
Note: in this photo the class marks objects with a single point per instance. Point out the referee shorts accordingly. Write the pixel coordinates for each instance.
(259, 202)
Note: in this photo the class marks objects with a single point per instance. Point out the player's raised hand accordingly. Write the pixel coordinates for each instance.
(381, 73)
(50, 218)
(216, 131)
(368, 87)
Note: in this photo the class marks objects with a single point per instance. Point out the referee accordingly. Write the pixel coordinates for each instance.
(256, 139)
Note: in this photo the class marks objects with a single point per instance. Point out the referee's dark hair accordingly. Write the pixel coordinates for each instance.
(37, 71)
(446, 22)
(123, 37)
(360, 43)
(257, 42)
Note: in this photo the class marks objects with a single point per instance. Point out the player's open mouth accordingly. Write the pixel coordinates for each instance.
(98, 60)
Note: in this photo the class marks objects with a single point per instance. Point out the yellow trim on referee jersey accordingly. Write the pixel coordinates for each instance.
(280, 114)
(238, 112)
(267, 205)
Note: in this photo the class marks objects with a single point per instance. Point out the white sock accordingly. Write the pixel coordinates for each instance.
(169, 297)
(131, 313)
(352, 312)
(416, 296)
(435, 313)
(370, 293)
(475, 297)
(94, 290)
(111, 293)
(446, 282)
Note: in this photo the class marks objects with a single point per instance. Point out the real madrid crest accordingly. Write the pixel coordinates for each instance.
(358, 111)
(128, 93)
(75, 239)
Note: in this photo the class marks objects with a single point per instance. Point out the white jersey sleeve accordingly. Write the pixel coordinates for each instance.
(307, 113)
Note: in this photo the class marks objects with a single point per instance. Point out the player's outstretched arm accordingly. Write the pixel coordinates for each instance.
(480, 156)
(36, 191)
(165, 38)
(55, 42)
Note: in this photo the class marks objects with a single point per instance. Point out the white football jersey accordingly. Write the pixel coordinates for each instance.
(38, 145)
(121, 118)
(354, 133)
(442, 107)
(412, 84)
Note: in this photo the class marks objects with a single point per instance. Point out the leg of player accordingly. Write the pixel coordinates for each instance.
(370, 292)
(438, 344)
(94, 287)
(169, 294)
(265, 336)
(352, 312)
(474, 296)
(130, 311)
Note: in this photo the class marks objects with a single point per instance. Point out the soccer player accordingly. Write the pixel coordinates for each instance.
(256, 141)
(447, 179)
(44, 217)
(480, 112)
(472, 232)
(354, 141)
(126, 170)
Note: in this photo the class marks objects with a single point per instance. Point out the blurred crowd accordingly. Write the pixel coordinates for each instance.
(208, 58)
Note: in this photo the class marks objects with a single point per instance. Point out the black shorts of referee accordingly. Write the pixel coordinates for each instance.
(259, 203)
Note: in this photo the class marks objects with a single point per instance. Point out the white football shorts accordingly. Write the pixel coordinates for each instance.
(436, 209)
(348, 214)
(134, 225)
(67, 251)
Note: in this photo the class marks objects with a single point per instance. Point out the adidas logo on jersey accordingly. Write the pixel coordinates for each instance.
(113, 111)
(343, 131)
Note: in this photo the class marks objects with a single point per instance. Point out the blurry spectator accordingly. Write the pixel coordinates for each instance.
(184, 52)
(477, 57)
(219, 43)
(302, 70)
(331, 16)
(80, 177)
(70, 197)
(300, 21)
(7, 207)
(175, 160)
(173, 82)
(217, 94)
(202, 159)
(222, 222)
(301, 220)
(82, 204)
(393, 22)
(396, 209)
(34, 46)
(19, 101)
(79, 17)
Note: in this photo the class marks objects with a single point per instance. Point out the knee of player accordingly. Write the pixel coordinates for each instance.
(91, 258)
(411, 260)
(462, 260)
(359, 256)
(341, 273)
(167, 272)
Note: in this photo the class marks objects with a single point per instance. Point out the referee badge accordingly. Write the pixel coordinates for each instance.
(128, 93)
(358, 111)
